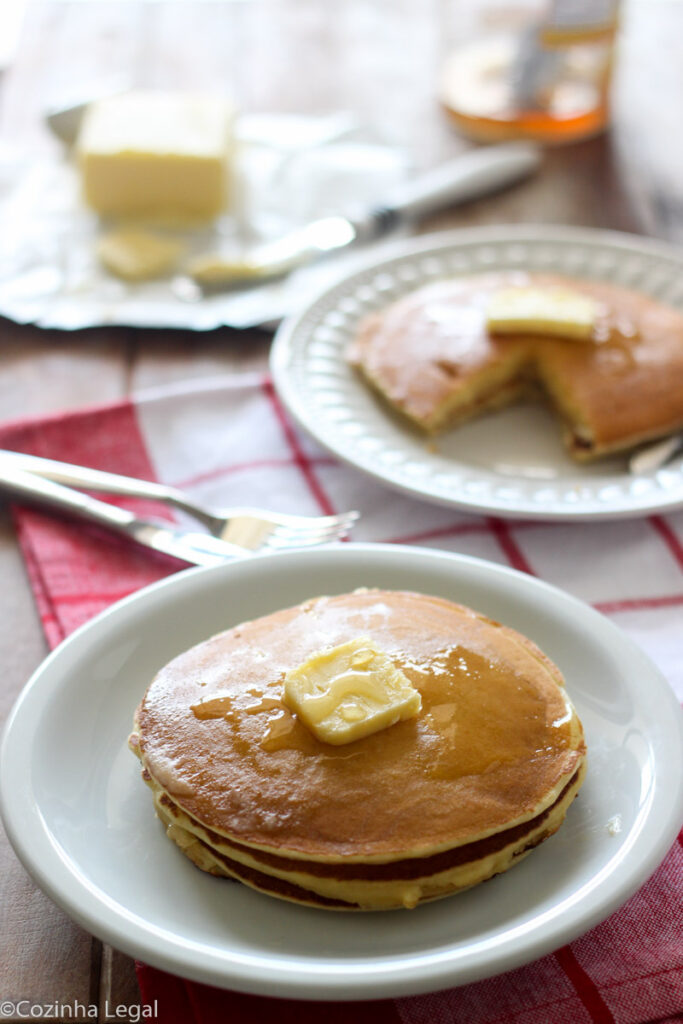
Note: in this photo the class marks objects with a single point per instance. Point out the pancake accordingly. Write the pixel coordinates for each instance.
(426, 807)
(432, 359)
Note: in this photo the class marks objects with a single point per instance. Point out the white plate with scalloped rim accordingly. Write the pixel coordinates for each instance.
(82, 821)
(510, 462)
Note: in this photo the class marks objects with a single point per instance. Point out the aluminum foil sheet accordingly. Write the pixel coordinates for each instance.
(289, 170)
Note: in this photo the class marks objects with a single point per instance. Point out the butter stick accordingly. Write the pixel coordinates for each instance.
(156, 155)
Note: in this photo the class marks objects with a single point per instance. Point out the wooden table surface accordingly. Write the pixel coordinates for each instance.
(378, 59)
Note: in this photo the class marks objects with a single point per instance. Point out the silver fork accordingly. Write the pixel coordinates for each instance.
(242, 529)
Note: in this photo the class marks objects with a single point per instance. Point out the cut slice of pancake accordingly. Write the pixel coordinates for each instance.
(432, 358)
(426, 807)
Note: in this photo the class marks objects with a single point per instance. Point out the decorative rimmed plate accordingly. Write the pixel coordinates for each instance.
(82, 821)
(511, 462)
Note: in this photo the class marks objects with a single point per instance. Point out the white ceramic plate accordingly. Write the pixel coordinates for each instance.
(510, 463)
(81, 820)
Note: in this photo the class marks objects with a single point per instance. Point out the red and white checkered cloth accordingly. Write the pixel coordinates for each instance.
(230, 442)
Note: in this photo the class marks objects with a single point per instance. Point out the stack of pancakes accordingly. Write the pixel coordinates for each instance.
(431, 356)
(416, 811)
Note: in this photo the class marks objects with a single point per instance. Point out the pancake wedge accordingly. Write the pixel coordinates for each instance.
(433, 357)
(483, 771)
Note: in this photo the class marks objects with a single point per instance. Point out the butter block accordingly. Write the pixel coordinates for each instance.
(562, 312)
(156, 155)
(350, 691)
(137, 255)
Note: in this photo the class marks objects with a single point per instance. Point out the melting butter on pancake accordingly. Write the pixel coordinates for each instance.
(349, 691)
(432, 357)
(427, 806)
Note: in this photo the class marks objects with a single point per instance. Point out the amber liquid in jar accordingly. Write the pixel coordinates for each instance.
(548, 80)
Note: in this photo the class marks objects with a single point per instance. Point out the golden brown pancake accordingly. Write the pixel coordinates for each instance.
(421, 809)
(432, 358)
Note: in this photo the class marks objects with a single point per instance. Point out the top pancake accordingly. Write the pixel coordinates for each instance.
(432, 358)
(495, 741)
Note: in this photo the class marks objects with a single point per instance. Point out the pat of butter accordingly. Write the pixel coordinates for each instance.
(214, 270)
(156, 155)
(530, 310)
(137, 255)
(349, 692)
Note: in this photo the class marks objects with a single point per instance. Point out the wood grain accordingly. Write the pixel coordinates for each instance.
(379, 60)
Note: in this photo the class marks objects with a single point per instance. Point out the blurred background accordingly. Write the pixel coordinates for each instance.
(382, 65)
(381, 60)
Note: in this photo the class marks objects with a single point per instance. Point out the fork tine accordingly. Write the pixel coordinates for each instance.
(305, 523)
(317, 535)
(332, 524)
(303, 539)
(281, 537)
(276, 543)
(315, 528)
(254, 531)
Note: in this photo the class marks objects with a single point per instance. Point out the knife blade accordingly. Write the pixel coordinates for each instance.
(654, 456)
(472, 175)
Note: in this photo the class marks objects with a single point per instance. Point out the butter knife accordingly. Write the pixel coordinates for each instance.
(656, 455)
(472, 175)
(164, 537)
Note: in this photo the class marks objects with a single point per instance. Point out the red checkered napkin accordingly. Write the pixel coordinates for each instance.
(230, 442)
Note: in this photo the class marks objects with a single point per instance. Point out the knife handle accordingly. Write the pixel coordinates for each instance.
(470, 176)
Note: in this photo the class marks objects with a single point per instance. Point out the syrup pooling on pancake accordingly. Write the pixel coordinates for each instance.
(495, 742)
(462, 693)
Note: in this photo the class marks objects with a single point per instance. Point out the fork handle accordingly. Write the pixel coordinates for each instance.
(93, 479)
(17, 483)
(195, 548)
